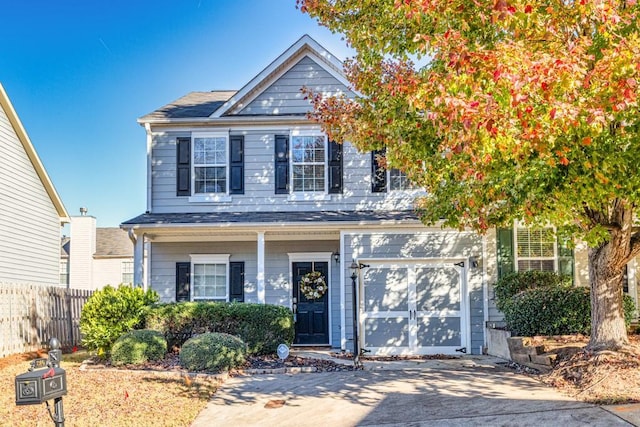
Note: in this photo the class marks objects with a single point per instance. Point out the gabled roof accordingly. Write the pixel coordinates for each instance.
(192, 105)
(221, 104)
(21, 133)
(113, 242)
(305, 46)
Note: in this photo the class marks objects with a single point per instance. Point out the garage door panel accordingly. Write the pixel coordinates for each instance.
(413, 307)
(437, 289)
(388, 332)
(439, 332)
(386, 290)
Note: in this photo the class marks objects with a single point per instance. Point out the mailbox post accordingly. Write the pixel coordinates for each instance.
(41, 385)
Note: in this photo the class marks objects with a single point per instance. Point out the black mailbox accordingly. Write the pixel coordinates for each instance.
(36, 387)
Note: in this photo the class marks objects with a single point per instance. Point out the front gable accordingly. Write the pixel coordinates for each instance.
(284, 97)
(277, 89)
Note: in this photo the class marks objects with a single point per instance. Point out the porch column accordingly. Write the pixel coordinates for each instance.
(260, 277)
(138, 262)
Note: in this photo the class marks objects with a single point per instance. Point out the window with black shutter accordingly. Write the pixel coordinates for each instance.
(335, 167)
(282, 164)
(183, 163)
(236, 164)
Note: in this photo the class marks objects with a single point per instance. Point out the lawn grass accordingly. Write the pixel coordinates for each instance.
(109, 397)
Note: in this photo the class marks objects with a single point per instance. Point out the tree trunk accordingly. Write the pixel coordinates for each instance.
(608, 331)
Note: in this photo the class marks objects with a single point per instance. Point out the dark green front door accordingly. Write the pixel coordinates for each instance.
(312, 316)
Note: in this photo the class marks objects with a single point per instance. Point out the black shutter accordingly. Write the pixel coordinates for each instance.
(282, 164)
(335, 168)
(565, 259)
(183, 281)
(236, 281)
(183, 169)
(236, 164)
(378, 173)
(505, 251)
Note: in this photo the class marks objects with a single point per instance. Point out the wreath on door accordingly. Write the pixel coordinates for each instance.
(312, 285)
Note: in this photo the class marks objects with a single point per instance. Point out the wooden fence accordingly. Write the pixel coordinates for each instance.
(31, 315)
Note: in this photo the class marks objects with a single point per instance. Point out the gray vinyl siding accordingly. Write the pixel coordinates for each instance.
(421, 245)
(259, 180)
(29, 225)
(284, 95)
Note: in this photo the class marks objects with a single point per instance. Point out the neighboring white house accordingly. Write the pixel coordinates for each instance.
(31, 210)
(91, 257)
(246, 195)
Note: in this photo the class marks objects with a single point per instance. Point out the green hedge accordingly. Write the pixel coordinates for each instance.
(513, 283)
(543, 303)
(138, 346)
(212, 352)
(110, 312)
(261, 326)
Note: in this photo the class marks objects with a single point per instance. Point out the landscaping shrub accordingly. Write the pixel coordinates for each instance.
(513, 283)
(213, 352)
(261, 326)
(547, 304)
(110, 312)
(138, 346)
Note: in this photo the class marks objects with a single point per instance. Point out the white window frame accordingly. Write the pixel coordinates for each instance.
(209, 259)
(518, 258)
(64, 271)
(409, 187)
(209, 197)
(309, 195)
(126, 267)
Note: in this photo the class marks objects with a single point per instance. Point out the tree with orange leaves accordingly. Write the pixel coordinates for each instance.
(504, 110)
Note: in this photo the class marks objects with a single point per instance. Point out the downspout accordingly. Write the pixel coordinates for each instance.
(485, 293)
(147, 128)
(138, 259)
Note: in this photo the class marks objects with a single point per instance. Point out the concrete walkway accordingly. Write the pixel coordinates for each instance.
(468, 391)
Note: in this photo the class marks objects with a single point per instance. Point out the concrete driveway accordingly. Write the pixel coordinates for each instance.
(447, 395)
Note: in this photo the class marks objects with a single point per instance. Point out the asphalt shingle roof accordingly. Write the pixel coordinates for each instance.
(271, 217)
(113, 242)
(192, 105)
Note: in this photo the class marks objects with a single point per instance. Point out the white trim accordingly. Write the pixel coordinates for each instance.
(410, 264)
(308, 256)
(485, 291)
(208, 259)
(147, 128)
(343, 311)
(309, 195)
(209, 197)
(304, 46)
(260, 283)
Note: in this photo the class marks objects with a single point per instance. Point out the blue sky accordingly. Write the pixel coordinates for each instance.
(80, 72)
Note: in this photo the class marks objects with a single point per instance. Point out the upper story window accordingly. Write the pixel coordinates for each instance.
(307, 166)
(308, 159)
(384, 179)
(398, 180)
(210, 164)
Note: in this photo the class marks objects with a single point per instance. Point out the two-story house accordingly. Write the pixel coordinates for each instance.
(31, 210)
(246, 196)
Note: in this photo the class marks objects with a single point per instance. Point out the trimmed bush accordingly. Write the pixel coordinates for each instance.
(138, 346)
(513, 283)
(213, 352)
(261, 326)
(547, 304)
(110, 312)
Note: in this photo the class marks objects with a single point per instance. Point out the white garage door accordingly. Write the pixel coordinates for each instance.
(415, 307)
